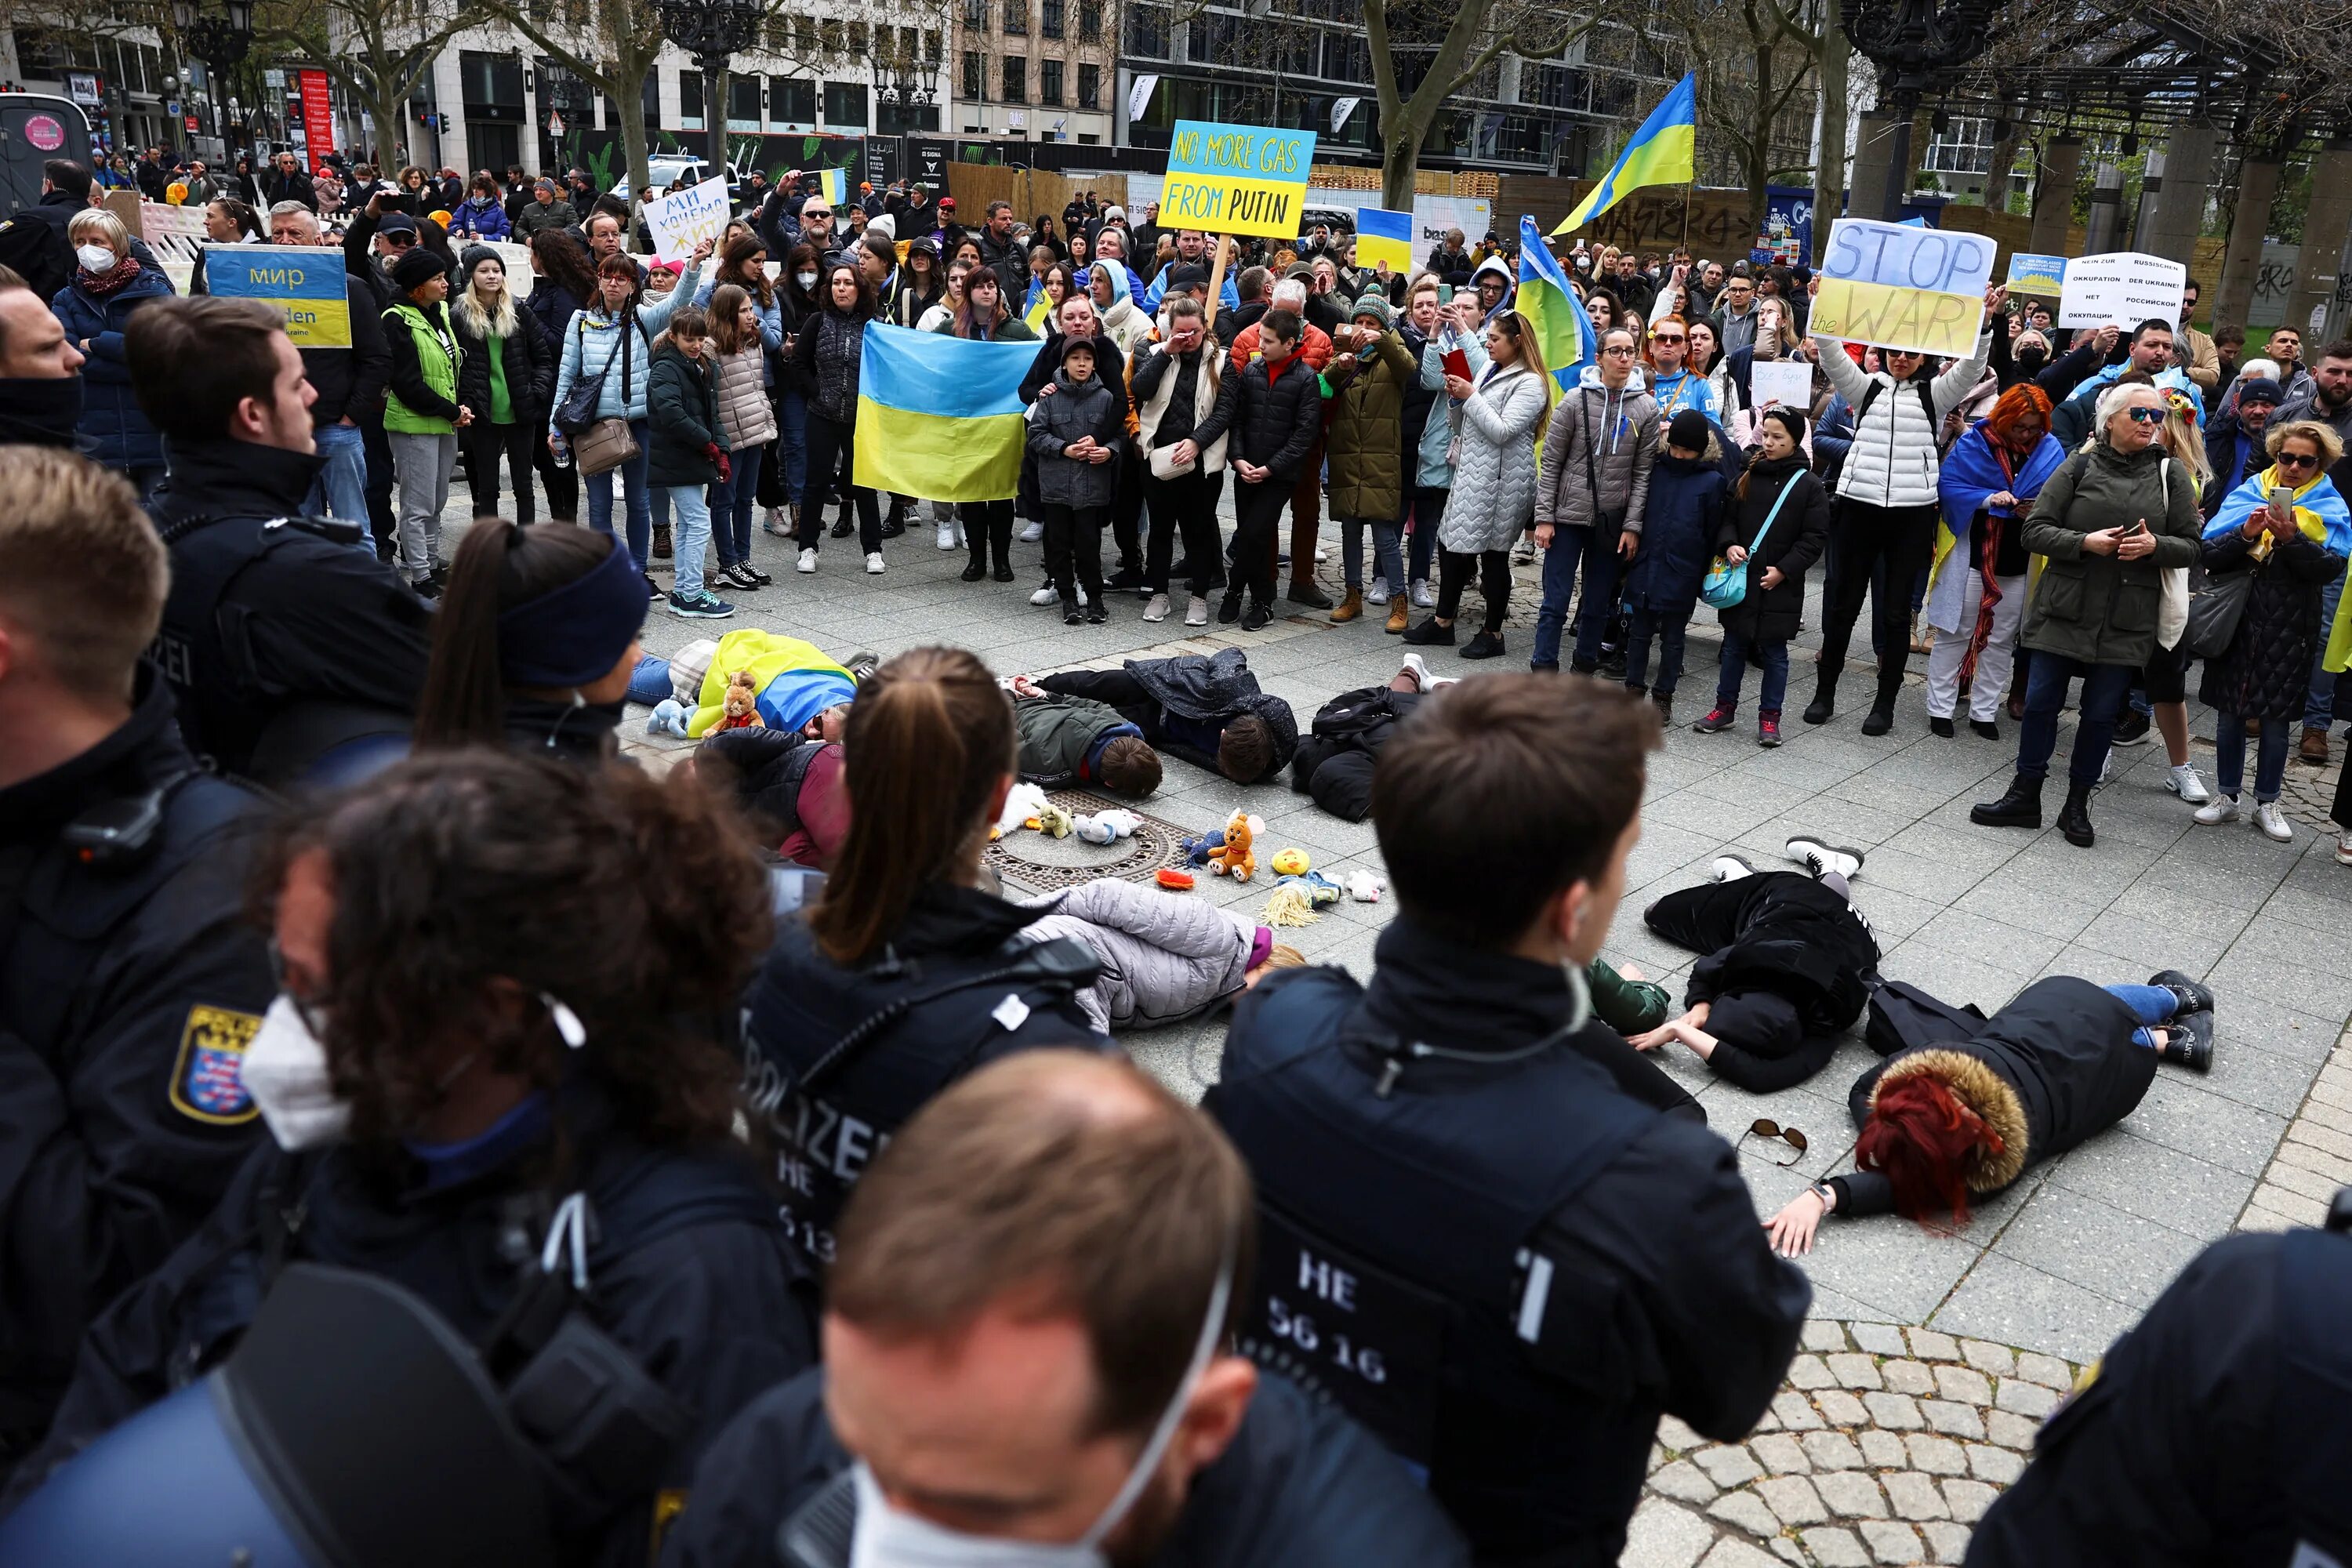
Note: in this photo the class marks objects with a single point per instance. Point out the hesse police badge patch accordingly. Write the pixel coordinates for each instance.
(208, 1080)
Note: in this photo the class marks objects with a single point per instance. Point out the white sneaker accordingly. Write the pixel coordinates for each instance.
(1822, 858)
(1033, 532)
(1322, 554)
(1045, 595)
(778, 524)
(2223, 809)
(874, 564)
(2272, 822)
(947, 536)
(2183, 781)
(808, 561)
(2344, 850)
(1523, 553)
(1424, 597)
(1377, 594)
(1196, 613)
(1156, 610)
(1729, 869)
(1421, 677)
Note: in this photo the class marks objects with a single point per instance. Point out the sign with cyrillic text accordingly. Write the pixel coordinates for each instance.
(1903, 287)
(1236, 179)
(681, 219)
(305, 281)
(2121, 289)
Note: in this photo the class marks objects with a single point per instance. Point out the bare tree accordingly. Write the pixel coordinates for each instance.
(1768, 52)
(378, 50)
(1459, 39)
(610, 44)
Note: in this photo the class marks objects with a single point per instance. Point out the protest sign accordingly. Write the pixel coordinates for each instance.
(2121, 289)
(1382, 236)
(1903, 287)
(1783, 384)
(305, 281)
(1236, 179)
(682, 219)
(2038, 275)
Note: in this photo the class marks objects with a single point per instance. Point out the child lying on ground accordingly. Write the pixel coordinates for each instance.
(1069, 741)
(1164, 956)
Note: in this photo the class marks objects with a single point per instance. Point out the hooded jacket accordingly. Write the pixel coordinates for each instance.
(1365, 443)
(2101, 609)
(1162, 419)
(682, 402)
(1597, 455)
(1494, 462)
(1495, 265)
(1682, 520)
(525, 362)
(1800, 533)
(1893, 461)
(596, 340)
(1078, 409)
(1122, 320)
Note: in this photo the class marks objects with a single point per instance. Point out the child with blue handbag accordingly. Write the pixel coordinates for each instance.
(1774, 530)
(1689, 494)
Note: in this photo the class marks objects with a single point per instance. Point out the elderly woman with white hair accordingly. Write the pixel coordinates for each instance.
(2107, 524)
(109, 283)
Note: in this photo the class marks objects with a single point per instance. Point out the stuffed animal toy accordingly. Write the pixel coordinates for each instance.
(741, 705)
(1297, 898)
(1290, 863)
(1198, 847)
(1021, 803)
(669, 719)
(1108, 826)
(1365, 886)
(1053, 821)
(1233, 857)
(1175, 879)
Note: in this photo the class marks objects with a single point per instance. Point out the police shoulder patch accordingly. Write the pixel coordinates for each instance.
(208, 1078)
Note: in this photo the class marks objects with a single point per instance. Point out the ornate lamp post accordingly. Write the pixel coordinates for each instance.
(1912, 42)
(712, 31)
(219, 38)
(906, 83)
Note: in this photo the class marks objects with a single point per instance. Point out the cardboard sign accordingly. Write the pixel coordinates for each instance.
(306, 281)
(2041, 276)
(1236, 179)
(1384, 236)
(683, 219)
(1903, 287)
(2121, 289)
(1783, 384)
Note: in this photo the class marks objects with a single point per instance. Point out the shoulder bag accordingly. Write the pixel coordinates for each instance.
(598, 446)
(2172, 606)
(1726, 585)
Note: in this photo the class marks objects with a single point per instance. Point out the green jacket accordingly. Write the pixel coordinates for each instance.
(1057, 734)
(2101, 609)
(1628, 1007)
(1365, 442)
(423, 385)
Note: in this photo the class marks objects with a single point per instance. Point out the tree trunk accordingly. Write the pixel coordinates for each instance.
(715, 116)
(1758, 150)
(632, 145)
(1400, 168)
(391, 128)
(1997, 180)
(1829, 170)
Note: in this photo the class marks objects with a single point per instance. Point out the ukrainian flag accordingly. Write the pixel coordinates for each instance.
(940, 417)
(832, 185)
(1563, 331)
(1663, 152)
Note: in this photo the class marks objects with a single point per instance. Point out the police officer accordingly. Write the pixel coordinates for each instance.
(33, 244)
(2218, 1430)
(904, 975)
(480, 1086)
(1030, 1323)
(130, 984)
(1470, 1238)
(293, 651)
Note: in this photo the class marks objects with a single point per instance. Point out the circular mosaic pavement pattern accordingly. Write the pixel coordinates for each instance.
(1044, 864)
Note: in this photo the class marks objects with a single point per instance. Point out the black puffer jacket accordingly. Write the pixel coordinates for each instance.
(528, 361)
(682, 406)
(1799, 533)
(1274, 419)
(2266, 671)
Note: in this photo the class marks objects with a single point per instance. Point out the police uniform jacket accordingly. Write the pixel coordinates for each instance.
(127, 993)
(2213, 1433)
(270, 623)
(689, 1274)
(34, 243)
(1564, 1263)
(1300, 1486)
(932, 1018)
(2047, 1072)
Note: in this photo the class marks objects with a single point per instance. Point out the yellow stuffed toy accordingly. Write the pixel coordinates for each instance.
(1233, 857)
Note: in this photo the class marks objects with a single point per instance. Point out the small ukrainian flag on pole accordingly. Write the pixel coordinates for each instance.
(1663, 152)
(834, 186)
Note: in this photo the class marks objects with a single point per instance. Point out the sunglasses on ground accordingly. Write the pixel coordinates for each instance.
(1764, 1127)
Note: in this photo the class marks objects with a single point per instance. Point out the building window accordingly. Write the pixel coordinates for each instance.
(1147, 31)
(1347, 56)
(1016, 80)
(791, 102)
(830, 36)
(1049, 18)
(1049, 82)
(690, 94)
(933, 51)
(1089, 87)
(1965, 149)
(1016, 17)
(743, 99)
(975, 74)
(845, 103)
(807, 39)
(975, 16)
(858, 48)
(1089, 22)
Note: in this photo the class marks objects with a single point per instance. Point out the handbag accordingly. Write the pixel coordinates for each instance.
(1726, 585)
(2215, 609)
(603, 446)
(2172, 604)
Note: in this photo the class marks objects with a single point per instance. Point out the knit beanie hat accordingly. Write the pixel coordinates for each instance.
(2261, 389)
(414, 267)
(1376, 305)
(1687, 431)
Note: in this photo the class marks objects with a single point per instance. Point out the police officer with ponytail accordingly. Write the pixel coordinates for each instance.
(905, 975)
(484, 1085)
(1475, 1233)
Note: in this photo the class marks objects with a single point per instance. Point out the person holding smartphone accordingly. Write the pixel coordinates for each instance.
(2289, 527)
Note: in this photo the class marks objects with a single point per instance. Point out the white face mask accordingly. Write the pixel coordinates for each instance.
(286, 1073)
(94, 258)
(886, 1538)
(807, 280)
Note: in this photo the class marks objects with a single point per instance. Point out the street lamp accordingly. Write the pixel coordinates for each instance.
(1911, 42)
(219, 38)
(906, 83)
(712, 31)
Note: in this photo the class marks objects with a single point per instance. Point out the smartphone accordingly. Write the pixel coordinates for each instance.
(1445, 293)
(2283, 498)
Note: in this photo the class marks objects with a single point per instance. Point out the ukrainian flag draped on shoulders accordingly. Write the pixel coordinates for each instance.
(940, 417)
(1976, 470)
(1663, 152)
(2321, 514)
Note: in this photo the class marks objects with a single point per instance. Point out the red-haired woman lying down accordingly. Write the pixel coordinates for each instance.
(1949, 1124)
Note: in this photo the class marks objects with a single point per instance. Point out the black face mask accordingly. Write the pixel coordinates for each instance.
(39, 411)
(2030, 361)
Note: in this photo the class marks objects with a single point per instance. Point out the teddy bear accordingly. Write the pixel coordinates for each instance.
(740, 706)
(1233, 857)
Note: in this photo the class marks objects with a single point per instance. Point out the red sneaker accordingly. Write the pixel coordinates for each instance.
(1768, 727)
(1718, 718)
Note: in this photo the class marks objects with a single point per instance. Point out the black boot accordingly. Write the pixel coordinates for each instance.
(895, 522)
(2188, 1042)
(2075, 817)
(1881, 717)
(2021, 807)
(842, 526)
(1824, 703)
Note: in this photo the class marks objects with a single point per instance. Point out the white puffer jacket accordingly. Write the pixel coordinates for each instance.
(1163, 958)
(1893, 461)
(1495, 470)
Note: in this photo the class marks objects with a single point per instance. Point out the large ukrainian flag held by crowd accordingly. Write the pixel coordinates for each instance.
(1563, 331)
(1663, 152)
(940, 417)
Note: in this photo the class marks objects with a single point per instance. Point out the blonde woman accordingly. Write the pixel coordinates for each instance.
(109, 284)
(506, 370)
(2160, 700)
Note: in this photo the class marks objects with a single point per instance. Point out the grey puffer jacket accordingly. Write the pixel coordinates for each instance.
(1597, 454)
(744, 412)
(2101, 609)
(1162, 958)
(1076, 409)
(1495, 468)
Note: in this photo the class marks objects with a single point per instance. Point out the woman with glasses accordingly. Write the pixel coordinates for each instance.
(2286, 528)
(2107, 523)
(1952, 1122)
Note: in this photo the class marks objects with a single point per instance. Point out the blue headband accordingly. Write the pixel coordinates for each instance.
(577, 633)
